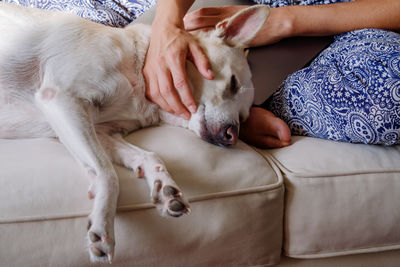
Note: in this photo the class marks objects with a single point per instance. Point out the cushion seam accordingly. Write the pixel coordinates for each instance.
(135, 207)
(331, 253)
(289, 173)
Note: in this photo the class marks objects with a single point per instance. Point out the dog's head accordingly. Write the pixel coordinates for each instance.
(225, 101)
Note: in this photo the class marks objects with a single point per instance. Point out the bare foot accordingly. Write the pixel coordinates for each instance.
(264, 130)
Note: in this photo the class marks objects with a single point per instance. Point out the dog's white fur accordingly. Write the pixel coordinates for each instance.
(64, 76)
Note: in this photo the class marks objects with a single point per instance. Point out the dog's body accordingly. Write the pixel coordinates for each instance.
(66, 77)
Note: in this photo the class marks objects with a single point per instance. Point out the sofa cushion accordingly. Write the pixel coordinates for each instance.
(236, 199)
(340, 198)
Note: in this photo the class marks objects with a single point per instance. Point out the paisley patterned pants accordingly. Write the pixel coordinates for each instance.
(117, 13)
(350, 92)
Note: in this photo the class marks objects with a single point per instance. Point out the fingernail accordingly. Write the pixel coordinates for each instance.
(285, 143)
(184, 116)
(279, 135)
(192, 109)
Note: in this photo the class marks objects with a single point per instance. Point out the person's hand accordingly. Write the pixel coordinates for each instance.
(206, 18)
(164, 70)
(279, 24)
(264, 130)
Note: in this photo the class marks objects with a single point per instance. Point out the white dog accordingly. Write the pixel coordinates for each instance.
(66, 77)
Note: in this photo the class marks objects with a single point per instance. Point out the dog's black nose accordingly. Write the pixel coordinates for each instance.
(229, 135)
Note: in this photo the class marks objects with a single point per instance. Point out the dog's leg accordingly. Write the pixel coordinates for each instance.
(71, 122)
(165, 194)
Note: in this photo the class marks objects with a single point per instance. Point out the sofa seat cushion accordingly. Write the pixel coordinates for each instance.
(340, 198)
(236, 200)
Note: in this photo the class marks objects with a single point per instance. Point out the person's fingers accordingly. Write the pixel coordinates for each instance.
(202, 18)
(152, 92)
(266, 123)
(265, 141)
(272, 142)
(200, 60)
(159, 85)
(206, 17)
(263, 129)
(193, 22)
(170, 95)
(205, 11)
(275, 127)
(165, 70)
(180, 81)
(262, 140)
(209, 16)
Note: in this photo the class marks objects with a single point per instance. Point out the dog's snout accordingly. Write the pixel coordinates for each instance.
(229, 135)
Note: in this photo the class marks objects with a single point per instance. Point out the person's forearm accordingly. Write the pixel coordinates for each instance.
(172, 11)
(344, 17)
(321, 20)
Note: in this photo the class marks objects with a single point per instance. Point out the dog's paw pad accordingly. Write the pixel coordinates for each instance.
(100, 242)
(176, 208)
(98, 255)
(94, 237)
(92, 191)
(168, 199)
(139, 172)
(159, 168)
(155, 196)
(100, 249)
(90, 194)
(171, 191)
(97, 252)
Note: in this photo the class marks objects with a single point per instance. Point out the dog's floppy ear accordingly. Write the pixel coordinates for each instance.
(239, 29)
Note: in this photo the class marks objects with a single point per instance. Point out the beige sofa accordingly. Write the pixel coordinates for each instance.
(314, 199)
(314, 203)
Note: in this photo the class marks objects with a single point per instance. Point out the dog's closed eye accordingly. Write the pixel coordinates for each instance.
(232, 88)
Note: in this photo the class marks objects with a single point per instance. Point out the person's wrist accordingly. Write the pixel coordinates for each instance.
(279, 25)
(166, 20)
(286, 17)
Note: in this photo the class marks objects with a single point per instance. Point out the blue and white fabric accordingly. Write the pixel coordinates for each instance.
(117, 13)
(350, 92)
(281, 3)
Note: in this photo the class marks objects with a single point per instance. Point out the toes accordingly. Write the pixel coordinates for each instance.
(100, 244)
(100, 249)
(169, 200)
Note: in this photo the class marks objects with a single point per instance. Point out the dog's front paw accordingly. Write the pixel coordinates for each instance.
(101, 240)
(169, 199)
